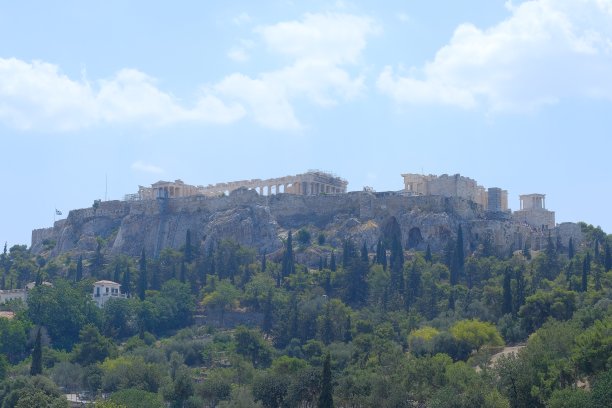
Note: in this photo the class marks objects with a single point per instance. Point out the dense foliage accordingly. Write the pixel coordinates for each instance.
(382, 326)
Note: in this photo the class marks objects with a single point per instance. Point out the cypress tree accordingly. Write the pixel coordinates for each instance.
(607, 258)
(596, 257)
(397, 257)
(458, 263)
(364, 253)
(332, 262)
(519, 299)
(288, 265)
(188, 249)
(325, 265)
(266, 326)
(326, 398)
(126, 284)
(570, 249)
(586, 269)
(79, 269)
(183, 276)
(117, 274)
(142, 276)
(428, 257)
(36, 368)
(327, 331)
(320, 263)
(327, 283)
(263, 262)
(507, 293)
(348, 335)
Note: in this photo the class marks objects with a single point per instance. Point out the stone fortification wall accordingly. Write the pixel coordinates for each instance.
(261, 221)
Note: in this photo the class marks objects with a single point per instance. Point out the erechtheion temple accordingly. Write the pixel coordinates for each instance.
(313, 182)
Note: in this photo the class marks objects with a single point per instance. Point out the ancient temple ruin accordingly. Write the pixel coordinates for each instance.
(313, 182)
(494, 199)
(533, 211)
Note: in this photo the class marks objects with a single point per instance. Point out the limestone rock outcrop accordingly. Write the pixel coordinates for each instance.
(261, 222)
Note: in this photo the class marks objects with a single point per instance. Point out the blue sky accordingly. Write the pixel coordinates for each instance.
(516, 95)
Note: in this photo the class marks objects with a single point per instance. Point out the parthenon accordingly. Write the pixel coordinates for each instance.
(313, 182)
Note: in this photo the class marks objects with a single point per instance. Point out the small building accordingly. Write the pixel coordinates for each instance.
(533, 212)
(12, 294)
(105, 290)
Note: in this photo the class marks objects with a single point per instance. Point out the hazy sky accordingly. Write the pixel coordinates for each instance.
(515, 94)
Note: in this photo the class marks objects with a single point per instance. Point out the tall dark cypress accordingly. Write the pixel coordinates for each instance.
(519, 299)
(397, 256)
(320, 263)
(79, 269)
(428, 257)
(332, 262)
(364, 253)
(183, 276)
(36, 368)
(327, 334)
(142, 276)
(288, 265)
(326, 398)
(263, 262)
(586, 270)
(570, 248)
(458, 263)
(607, 258)
(117, 274)
(507, 293)
(126, 283)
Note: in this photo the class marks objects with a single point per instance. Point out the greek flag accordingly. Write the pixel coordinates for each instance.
(58, 212)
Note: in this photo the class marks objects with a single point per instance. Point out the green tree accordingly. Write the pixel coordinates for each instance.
(288, 262)
(458, 259)
(570, 249)
(586, 270)
(142, 276)
(607, 258)
(126, 283)
(332, 262)
(326, 398)
(92, 347)
(36, 366)
(428, 257)
(222, 298)
(79, 269)
(507, 293)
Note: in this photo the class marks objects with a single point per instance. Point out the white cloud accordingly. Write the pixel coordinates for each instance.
(38, 96)
(320, 47)
(546, 51)
(336, 38)
(323, 51)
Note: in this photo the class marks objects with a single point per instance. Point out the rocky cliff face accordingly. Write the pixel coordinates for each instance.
(261, 221)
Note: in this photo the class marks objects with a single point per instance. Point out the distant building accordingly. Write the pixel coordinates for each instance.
(105, 290)
(12, 294)
(497, 199)
(455, 186)
(313, 182)
(533, 211)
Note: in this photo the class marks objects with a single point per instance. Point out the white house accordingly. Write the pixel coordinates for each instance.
(105, 290)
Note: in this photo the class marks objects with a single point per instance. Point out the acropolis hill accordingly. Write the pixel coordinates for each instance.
(258, 213)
